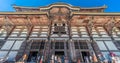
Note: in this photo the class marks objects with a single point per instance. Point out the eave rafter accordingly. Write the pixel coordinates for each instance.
(117, 21)
(18, 18)
(99, 18)
(2, 20)
(80, 20)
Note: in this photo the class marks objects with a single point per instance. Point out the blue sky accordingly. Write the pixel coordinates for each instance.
(113, 5)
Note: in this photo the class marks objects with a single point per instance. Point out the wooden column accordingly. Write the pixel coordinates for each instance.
(65, 48)
(28, 23)
(72, 50)
(110, 25)
(89, 27)
(7, 25)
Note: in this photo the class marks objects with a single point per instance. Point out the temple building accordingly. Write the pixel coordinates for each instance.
(58, 29)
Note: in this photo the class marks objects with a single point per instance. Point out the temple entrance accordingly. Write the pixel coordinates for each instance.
(59, 56)
(85, 56)
(32, 56)
(59, 53)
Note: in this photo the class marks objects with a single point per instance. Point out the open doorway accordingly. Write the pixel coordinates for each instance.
(59, 56)
(85, 55)
(59, 53)
(32, 56)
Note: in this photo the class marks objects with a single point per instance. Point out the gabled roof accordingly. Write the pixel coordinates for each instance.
(58, 4)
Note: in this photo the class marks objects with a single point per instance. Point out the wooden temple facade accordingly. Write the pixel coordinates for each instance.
(59, 29)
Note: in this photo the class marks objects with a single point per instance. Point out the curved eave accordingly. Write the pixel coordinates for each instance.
(25, 7)
(62, 3)
(96, 14)
(94, 8)
(102, 7)
(23, 13)
(59, 4)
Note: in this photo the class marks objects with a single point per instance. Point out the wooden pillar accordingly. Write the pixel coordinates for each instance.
(110, 25)
(65, 48)
(7, 25)
(72, 50)
(89, 27)
(91, 44)
(28, 23)
(54, 41)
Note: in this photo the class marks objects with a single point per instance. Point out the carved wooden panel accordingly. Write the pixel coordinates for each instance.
(2, 21)
(80, 20)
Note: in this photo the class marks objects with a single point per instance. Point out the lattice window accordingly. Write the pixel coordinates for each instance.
(59, 45)
(59, 28)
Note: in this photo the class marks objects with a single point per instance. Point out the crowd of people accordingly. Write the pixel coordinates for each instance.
(66, 59)
(102, 58)
(109, 58)
(59, 59)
